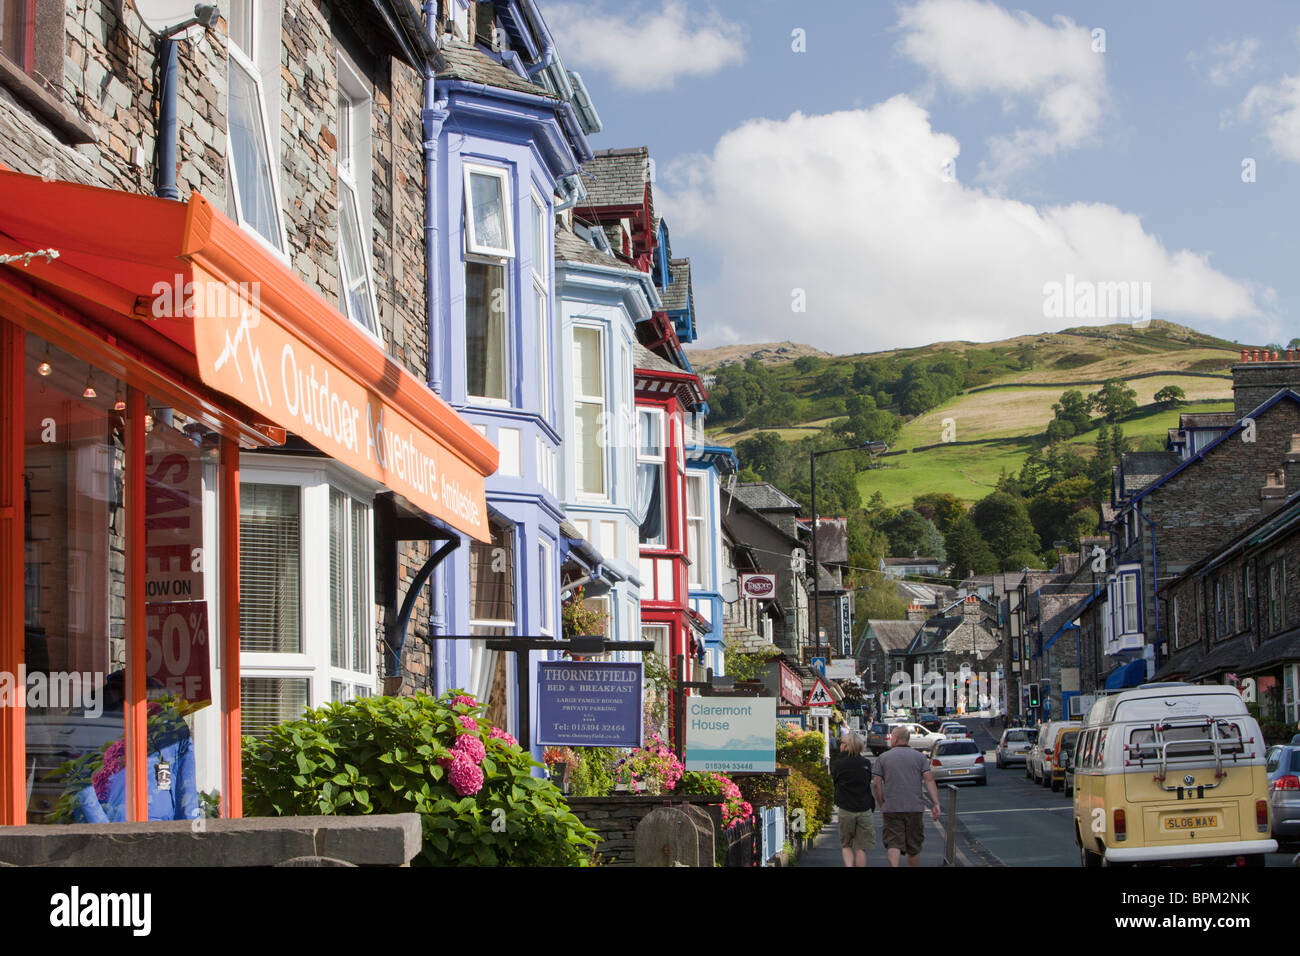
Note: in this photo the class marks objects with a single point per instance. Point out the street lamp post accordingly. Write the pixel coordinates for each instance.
(875, 448)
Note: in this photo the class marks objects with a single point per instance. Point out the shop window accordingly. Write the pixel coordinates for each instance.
(589, 411)
(650, 477)
(307, 634)
(252, 155)
(356, 293)
(492, 614)
(79, 595)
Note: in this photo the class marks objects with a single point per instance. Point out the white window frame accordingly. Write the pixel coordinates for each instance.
(542, 300)
(313, 661)
(662, 460)
(352, 89)
(362, 683)
(1291, 693)
(698, 576)
(247, 61)
(545, 576)
(483, 661)
(601, 403)
(472, 245)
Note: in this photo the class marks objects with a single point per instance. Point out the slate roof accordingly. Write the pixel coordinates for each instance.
(1228, 656)
(676, 295)
(1277, 650)
(1206, 420)
(927, 595)
(643, 358)
(893, 635)
(1141, 468)
(761, 496)
(617, 177)
(1180, 664)
(946, 634)
(466, 62)
(571, 248)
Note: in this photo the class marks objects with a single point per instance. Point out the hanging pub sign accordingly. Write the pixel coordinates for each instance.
(791, 687)
(589, 704)
(760, 587)
(731, 734)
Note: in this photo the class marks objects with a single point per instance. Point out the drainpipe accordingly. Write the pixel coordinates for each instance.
(433, 118)
(1155, 583)
(165, 173)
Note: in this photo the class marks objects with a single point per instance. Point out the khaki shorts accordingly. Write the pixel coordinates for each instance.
(904, 831)
(857, 829)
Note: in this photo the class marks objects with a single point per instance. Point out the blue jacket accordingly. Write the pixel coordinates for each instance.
(181, 802)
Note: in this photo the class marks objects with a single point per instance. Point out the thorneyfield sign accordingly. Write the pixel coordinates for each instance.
(761, 587)
(589, 704)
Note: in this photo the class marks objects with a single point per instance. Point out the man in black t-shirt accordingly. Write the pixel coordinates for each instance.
(854, 801)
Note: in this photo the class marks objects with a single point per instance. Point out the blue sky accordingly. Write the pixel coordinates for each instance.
(928, 170)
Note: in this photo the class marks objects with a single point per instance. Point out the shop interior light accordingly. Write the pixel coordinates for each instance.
(90, 386)
(148, 422)
(119, 403)
(45, 368)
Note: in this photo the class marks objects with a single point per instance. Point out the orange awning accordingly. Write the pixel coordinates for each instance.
(181, 282)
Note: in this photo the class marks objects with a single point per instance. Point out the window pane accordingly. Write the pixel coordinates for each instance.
(267, 701)
(649, 437)
(345, 135)
(650, 495)
(17, 30)
(543, 352)
(338, 579)
(485, 330)
(250, 155)
(540, 251)
(269, 569)
(355, 275)
(488, 211)
(589, 459)
(589, 382)
(240, 20)
(361, 635)
(491, 573)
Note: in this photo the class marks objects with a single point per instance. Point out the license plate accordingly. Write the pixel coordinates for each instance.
(1209, 821)
(959, 771)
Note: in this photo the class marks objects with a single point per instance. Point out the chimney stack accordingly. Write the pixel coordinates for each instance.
(1260, 375)
(916, 613)
(970, 609)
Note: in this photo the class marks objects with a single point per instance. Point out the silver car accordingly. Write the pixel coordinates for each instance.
(1015, 745)
(953, 761)
(1283, 769)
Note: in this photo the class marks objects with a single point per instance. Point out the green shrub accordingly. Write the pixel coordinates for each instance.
(471, 784)
(594, 776)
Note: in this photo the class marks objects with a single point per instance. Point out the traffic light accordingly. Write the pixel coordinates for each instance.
(1034, 700)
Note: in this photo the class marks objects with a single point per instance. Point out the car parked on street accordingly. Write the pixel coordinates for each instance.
(954, 761)
(1014, 746)
(1065, 754)
(1283, 769)
(878, 737)
(1052, 768)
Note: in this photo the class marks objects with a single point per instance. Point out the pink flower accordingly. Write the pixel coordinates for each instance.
(114, 760)
(500, 734)
(472, 747)
(468, 722)
(465, 776)
(464, 700)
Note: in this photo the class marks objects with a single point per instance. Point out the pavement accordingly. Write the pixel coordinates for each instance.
(825, 849)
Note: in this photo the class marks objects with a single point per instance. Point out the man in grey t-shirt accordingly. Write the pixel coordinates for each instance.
(897, 779)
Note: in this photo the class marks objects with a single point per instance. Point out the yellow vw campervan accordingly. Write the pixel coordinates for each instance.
(1171, 772)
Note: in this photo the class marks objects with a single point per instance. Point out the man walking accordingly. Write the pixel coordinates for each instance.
(854, 801)
(899, 775)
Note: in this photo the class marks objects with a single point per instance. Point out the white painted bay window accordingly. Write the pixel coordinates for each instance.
(489, 247)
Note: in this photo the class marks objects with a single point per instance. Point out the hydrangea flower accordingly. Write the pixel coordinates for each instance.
(468, 722)
(464, 700)
(471, 747)
(499, 734)
(465, 776)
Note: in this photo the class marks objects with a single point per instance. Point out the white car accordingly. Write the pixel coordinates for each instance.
(954, 730)
(920, 739)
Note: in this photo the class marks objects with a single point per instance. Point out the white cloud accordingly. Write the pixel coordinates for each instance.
(1277, 108)
(1231, 59)
(647, 49)
(852, 208)
(980, 48)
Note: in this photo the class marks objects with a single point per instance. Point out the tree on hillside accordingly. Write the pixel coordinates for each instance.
(1070, 417)
(880, 601)
(807, 364)
(1114, 400)
(918, 396)
(1064, 511)
(967, 550)
(764, 452)
(1171, 396)
(866, 422)
(1003, 522)
(910, 534)
(940, 507)
(835, 381)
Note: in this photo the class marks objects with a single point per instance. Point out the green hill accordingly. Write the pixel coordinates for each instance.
(999, 401)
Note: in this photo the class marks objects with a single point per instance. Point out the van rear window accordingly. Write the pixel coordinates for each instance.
(1183, 740)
